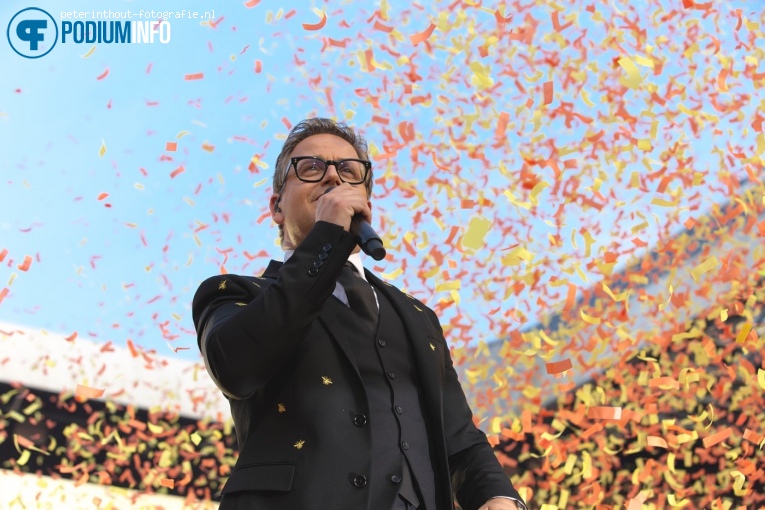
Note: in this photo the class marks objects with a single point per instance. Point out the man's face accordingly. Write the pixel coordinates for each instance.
(298, 198)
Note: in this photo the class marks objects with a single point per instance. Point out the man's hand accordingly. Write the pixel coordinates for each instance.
(499, 504)
(342, 204)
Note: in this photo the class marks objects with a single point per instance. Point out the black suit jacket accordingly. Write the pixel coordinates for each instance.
(275, 347)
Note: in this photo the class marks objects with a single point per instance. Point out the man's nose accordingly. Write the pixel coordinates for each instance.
(332, 177)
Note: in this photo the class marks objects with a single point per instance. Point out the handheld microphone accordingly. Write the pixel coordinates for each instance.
(366, 237)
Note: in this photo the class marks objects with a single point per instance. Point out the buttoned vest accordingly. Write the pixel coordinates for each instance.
(400, 440)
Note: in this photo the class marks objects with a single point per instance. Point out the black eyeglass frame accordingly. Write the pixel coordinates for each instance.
(367, 167)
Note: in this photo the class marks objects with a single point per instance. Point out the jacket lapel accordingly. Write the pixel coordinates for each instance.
(418, 328)
(329, 318)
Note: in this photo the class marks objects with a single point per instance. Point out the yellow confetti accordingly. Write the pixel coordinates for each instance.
(102, 150)
(24, 458)
(761, 378)
(673, 501)
(622, 296)
(743, 333)
(480, 77)
(586, 98)
(642, 61)
(589, 319)
(537, 190)
(704, 267)
(665, 303)
(392, 275)
(452, 285)
(633, 78)
(476, 231)
(89, 52)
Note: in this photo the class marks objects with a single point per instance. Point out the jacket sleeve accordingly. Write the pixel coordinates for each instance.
(477, 475)
(247, 331)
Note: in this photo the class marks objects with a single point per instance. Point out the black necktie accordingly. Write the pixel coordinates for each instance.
(361, 297)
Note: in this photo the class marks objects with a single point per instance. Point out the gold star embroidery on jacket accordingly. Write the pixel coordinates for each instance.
(222, 285)
(432, 347)
(326, 380)
(281, 408)
(299, 444)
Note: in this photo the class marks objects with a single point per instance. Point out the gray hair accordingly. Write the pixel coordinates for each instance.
(318, 126)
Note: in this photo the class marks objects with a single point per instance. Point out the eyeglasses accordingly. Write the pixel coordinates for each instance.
(311, 169)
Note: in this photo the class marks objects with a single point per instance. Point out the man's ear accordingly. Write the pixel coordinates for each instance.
(276, 211)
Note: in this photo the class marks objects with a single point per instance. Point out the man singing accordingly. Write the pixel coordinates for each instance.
(341, 386)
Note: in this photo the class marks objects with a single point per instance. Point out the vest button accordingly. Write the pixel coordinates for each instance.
(405, 445)
(359, 481)
(318, 263)
(322, 255)
(326, 247)
(381, 342)
(359, 420)
(313, 271)
(395, 479)
(399, 410)
(392, 375)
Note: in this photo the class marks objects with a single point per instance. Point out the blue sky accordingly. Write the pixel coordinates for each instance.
(126, 266)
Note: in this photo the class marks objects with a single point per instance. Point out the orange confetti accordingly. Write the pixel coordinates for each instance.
(3, 293)
(71, 337)
(422, 36)
(721, 80)
(717, 437)
(85, 392)
(24, 266)
(656, 441)
(103, 75)
(557, 367)
(251, 3)
(604, 413)
(3, 254)
(102, 195)
(194, 76)
(665, 382)
(177, 171)
(132, 348)
(381, 27)
(171, 146)
(547, 92)
(23, 441)
(258, 66)
(316, 26)
(753, 437)
(167, 482)
(504, 118)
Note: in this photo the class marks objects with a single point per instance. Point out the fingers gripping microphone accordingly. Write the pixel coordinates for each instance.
(366, 237)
